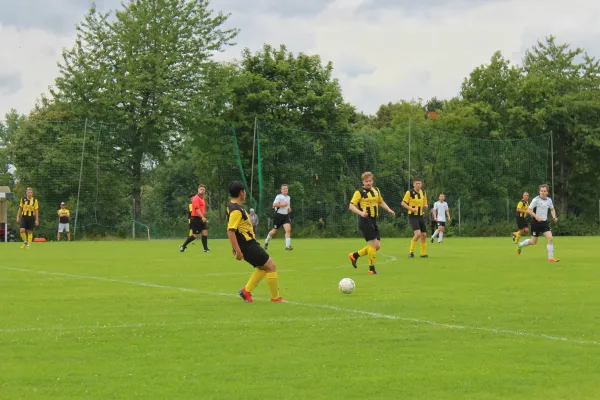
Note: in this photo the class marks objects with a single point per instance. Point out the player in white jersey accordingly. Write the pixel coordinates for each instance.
(440, 212)
(283, 208)
(538, 209)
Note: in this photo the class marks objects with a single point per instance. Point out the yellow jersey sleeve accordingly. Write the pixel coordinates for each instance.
(35, 204)
(406, 198)
(21, 203)
(356, 198)
(380, 199)
(235, 218)
(521, 206)
(424, 199)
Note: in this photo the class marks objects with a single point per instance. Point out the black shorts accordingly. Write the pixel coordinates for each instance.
(197, 225)
(369, 229)
(539, 228)
(441, 223)
(27, 223)
(522, 223)
(254, 254)
(280, 220)
(417, 223)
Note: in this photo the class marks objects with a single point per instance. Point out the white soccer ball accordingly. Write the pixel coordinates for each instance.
(346, 286)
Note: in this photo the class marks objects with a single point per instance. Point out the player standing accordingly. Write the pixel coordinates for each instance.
(440, 212)
(28, 217)
(538, 209)
(522, 214)
(415, 201)
(197, 220)
(63, 222)
(283, 208)
(244, 245)
(365, 203)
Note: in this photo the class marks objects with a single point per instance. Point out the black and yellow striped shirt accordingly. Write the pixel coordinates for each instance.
(368, 200)
(415, 199)
(29, 206)
(522, 206)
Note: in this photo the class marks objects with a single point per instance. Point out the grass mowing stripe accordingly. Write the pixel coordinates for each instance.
(323, 306)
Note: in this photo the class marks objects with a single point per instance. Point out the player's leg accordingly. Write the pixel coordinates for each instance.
(441, 230)
(29, 237)
(436, 231)
(22, 231)
(205, 240)
(196, 228)
(374, 246)
(364, 227)
(68, 232)
(550, 246)
(265, 267)
(60, 227)
(288, 235)
(273, 232)
(535, 231)
(423, 229)
(414, 224)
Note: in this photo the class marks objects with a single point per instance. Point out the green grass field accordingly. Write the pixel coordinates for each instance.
(108, 320)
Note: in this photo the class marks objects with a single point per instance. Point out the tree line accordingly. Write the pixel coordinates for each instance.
(159, 114)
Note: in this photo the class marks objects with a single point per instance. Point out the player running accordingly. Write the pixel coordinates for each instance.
(283, 208)
(365, 203)
(538, 209)
(440, 212)
(522, 223)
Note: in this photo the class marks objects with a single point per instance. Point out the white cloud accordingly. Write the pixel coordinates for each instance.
(382, 51)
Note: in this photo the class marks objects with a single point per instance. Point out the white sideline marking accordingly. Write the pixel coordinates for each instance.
(323, 306)
(177, 324)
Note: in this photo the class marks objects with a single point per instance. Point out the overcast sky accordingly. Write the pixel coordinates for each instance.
(382, 50)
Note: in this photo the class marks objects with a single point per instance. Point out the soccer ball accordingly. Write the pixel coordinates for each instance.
(346, 286)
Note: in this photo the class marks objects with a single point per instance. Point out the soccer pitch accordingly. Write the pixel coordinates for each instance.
(99, 320)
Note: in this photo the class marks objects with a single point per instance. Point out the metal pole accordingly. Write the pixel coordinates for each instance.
(252, 169)
(552, 160)
(459, 230)
(409, 139)
(507, 210)
(80, 175)
(133, 230)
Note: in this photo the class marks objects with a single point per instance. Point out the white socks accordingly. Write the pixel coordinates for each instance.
(435, 234)
(441, 237)
(524, 243)
(288, 242)
(550, 248)
(267, 238)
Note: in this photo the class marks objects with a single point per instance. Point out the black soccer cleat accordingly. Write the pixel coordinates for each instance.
(431, 240)
(206, 250)
(289, 248)
(353, 258)
(181, 248)
(266, 246)
(425, 256)
(411, 255)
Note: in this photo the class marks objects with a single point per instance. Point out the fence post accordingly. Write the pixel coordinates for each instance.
(80, 175)
(507, 210)
(133, 230)
(459, 228)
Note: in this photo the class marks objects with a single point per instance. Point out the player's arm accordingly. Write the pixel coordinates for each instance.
(354, 202)
(289, 206)
(37, 214)
(19, 212)
(425, 201)
(387, 208)
(235, 217)
(553, 213)
(405, 202)
(448, 214)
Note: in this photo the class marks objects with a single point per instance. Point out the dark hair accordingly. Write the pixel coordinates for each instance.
(417, 180)
(285, 184)
(192, 194)
(202, 185)
(545, 186)
(235, 188)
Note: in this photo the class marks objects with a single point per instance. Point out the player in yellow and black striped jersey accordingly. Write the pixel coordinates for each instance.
(522, 218)
(415, 201)
(240, 233)
(366, 203)
(28, 217)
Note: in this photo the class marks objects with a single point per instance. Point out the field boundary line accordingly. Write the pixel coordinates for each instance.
(436, 324)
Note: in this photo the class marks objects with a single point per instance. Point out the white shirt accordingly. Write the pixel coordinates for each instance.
(440, 210)
(282, 199)
(541, 206)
